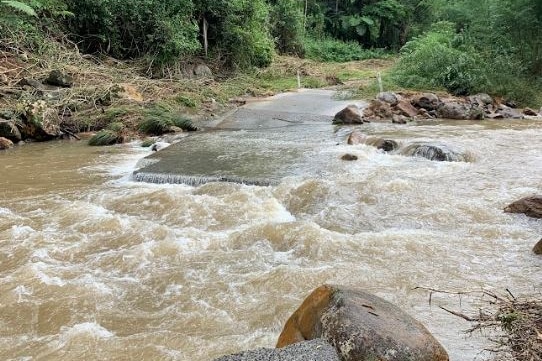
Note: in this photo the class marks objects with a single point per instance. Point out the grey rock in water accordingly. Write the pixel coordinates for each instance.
(356, 137)
(388, 97)
(361, 327)
(349, 157)
(435, 152)
(530, 112)
(387, 145)
(58, 78)
(530, 206)
(158, 146)
(314, 350)
(9, 130)
(349, 115)
(399, 119)
(538, 248)
(509, 113)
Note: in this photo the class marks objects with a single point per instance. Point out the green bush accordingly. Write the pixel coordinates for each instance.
(438, 59)
(333, 50)
(238, 31)
(287, 26)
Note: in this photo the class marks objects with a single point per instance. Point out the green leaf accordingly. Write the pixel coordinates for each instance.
(361, 30)
(17, 5)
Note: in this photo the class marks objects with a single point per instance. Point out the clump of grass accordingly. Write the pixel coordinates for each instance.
(159, 120)
(113, 134)
(333, 50)
(105, 137)
(187, 101)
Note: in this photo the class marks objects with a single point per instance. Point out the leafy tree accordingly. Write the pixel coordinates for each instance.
(160, 29)
(238, 31)
(286, 18)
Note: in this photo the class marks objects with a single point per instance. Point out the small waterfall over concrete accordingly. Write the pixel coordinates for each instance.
(194, 181)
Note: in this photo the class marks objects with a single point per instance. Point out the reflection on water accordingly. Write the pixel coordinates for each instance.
(95, 266)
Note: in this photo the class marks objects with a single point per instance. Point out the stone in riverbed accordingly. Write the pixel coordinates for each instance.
(349, 157)
(427, 101)
(5, 143)
(406, 109)
(356, 137)
(436, 152)
(538, 248)
(530, 206)
(387, 145)
(349, 115)
(361, 327)
(388, 97)
(314, 350)
(9, 130)
(530, 112)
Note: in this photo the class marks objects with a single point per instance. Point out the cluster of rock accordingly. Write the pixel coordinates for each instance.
(532, 207)
(337, 323)
(431, 151)
(34, 120)
(403, 107)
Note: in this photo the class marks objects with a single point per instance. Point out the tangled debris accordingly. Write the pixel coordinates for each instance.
(518, 319)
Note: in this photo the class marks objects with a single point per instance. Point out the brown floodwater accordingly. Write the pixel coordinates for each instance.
(94, 266)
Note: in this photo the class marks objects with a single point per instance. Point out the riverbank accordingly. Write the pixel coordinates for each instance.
(64, 92)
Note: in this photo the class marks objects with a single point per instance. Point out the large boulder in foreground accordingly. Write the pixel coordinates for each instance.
(314, 350)
(530, 206)
(361, 326)
(349, 115)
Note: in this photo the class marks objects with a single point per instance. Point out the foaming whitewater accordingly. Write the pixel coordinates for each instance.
(97, 266)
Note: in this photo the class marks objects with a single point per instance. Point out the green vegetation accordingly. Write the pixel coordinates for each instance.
(159, 120)
(492, 46)
(257, 48)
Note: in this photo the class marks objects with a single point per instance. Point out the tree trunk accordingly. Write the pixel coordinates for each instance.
(205, 41)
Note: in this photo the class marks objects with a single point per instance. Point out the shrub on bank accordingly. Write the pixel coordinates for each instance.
(334, 50)
(437, 59)
(159, 120)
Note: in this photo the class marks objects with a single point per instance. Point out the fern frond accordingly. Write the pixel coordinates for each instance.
(17, 5)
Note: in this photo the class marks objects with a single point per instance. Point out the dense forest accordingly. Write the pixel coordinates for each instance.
(462, 46)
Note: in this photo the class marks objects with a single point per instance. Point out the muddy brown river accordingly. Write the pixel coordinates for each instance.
(95, 266)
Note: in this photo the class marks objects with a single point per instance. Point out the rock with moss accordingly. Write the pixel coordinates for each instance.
(360, 326)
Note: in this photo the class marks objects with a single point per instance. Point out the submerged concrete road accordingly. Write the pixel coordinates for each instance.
(260, 143)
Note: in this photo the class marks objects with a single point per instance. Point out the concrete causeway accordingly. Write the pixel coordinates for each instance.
(260, 143)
